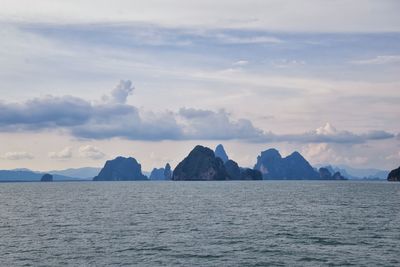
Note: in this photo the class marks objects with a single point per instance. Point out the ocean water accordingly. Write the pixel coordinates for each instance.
(265, 223)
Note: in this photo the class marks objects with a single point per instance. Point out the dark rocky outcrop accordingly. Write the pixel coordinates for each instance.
(233, 170)
(293, 167)
(237, 173)
(47, 178)
(220, 153)
(121, 169)
(394, 175)
(161, 173)
(200, 165)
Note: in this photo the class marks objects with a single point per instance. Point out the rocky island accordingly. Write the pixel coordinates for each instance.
(202, 164)
(47, 178)
(394, 175)
(121, 169)
(161, 173)
(293, 167)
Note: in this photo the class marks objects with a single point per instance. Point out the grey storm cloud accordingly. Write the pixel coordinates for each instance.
(45, 112)
(115, 118)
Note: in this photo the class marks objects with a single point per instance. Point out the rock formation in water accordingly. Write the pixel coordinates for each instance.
(326, 174)
(161, 173)
(394, 175)
(167, 172)
(47, 178)
(157, 174)
(200, 165)
(293, 167)
(220, 153)
(121, 169)
(338, 176)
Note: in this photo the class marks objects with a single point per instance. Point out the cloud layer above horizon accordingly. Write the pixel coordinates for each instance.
(112, 117)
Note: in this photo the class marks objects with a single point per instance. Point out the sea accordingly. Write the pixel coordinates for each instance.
(235, 223)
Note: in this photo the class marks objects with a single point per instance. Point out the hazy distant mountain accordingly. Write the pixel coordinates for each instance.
(220, 153)
(121, 169)
(293, 167)
(30, 176)
(357, 173)
(326, 173)
(86, 172)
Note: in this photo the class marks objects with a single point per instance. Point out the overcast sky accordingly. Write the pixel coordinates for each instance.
(84, 81)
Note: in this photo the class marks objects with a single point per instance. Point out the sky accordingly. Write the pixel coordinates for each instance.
(82, 82)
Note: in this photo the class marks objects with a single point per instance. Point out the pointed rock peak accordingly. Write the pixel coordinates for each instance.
(167, 166)
(220, 153)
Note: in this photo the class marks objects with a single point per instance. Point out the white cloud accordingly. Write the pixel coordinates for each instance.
(17, 155)
(379, 60)
(91, 152)
(65, 153)
(120, 93)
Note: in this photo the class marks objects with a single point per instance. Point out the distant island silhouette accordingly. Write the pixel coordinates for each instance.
(204, 164)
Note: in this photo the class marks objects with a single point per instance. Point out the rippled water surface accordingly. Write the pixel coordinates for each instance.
(200, 224)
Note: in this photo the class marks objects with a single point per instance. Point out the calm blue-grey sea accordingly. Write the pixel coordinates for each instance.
(263, 223)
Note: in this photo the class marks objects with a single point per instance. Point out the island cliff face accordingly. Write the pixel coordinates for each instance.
(200, 165)
(121, 169)
(294, 167)
(394, 175)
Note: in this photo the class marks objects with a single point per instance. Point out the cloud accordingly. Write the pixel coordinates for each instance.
(329, 134)
(121, 92)
(206, 124)
(65, 153)
(91, 152)
(241, 63)
(116, 119)
(379, 60)
(45, 112)
(17, 155)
